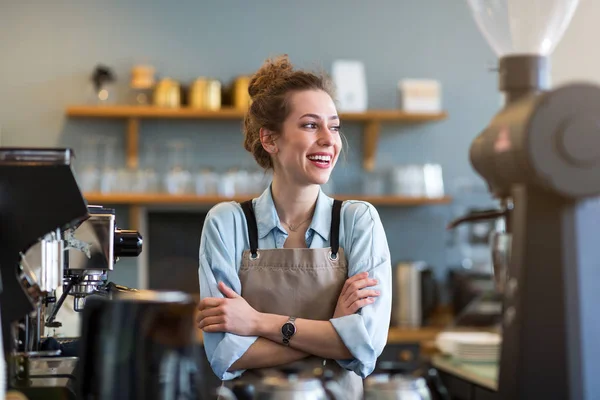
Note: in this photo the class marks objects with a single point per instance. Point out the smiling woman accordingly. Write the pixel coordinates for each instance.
(294, 274)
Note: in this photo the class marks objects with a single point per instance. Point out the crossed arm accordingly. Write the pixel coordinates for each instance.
(234, 315)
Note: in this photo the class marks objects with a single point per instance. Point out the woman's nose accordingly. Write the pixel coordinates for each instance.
(325, 137)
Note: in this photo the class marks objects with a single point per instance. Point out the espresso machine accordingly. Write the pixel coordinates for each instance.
(50, 238)
(89, 252)
(540, 156)
(78, 258)
(39, 198)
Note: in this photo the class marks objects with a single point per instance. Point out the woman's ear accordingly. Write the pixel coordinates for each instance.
(267, 139)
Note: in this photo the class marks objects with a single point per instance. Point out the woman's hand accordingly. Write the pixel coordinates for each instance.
(232, 314)
(354, 296)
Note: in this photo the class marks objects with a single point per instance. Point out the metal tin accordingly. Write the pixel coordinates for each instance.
(167, 93)
(241, 97)
(205, 94)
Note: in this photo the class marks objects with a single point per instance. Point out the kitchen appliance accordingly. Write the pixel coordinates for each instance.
(476, 303)
(415, 294)
(78, 258)
(540, 154)
(393, 380)
(39, 198)
(297, 381)
(139, 345)
(498, 238)
(89, 252)
(77, 254)
(141, 84)
(396, 387)
(474, 298)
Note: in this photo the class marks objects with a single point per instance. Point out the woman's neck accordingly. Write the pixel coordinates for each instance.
(294, 204)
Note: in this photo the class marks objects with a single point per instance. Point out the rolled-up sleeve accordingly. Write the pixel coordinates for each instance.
(365, 332)
(217, 263)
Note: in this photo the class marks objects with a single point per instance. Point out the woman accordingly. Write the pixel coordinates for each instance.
(293, 274)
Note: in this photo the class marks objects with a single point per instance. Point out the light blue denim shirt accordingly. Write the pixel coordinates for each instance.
(225, 237)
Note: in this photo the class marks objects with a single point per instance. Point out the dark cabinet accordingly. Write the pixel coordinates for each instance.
(462, 389)
(174, 244)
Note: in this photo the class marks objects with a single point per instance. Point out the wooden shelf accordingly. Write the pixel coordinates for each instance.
(371, 118)
(152, 112)
(167, 199)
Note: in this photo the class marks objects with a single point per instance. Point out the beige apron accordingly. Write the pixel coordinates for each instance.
(303, 283)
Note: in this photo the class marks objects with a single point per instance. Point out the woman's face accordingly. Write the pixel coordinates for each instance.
(310, 143)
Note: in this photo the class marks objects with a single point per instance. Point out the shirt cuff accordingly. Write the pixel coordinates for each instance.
(351, 329)
(229, 350)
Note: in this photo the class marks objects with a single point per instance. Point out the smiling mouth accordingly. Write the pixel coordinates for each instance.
(320, 160)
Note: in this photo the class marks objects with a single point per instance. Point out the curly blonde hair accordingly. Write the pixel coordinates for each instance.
(269, 89)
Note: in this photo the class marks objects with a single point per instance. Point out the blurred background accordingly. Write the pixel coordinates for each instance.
(421, 61)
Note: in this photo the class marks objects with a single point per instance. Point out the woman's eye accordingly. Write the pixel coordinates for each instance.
(311, 125)
(335, 128)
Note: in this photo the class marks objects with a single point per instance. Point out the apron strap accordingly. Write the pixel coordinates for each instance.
(334, 233)
(252, 226)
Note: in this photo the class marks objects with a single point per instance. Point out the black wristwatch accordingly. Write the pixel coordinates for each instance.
(288, 330)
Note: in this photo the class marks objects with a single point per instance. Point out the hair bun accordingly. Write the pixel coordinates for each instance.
(272, 72)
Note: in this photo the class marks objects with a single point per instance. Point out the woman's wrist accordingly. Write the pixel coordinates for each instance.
(270, 325)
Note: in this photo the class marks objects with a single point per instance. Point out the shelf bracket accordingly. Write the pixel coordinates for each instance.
(133, 138)
(135, 216)
(371, 136)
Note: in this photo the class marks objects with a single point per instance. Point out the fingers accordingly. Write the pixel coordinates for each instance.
(358, 285)
(211, 312)
(209, 321)
(358, 304)
(210, 302)
(215, 328)
(359, 295)
(351, 280)
(227, 291)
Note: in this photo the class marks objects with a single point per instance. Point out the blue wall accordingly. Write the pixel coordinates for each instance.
(49, 49)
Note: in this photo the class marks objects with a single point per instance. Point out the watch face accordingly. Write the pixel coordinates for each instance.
(288, 329)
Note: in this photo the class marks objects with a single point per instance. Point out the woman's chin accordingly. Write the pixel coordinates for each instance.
(320, 180)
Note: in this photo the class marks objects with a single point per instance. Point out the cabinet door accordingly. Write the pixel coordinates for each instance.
(480, 393)
(173, 246)
(459, 389)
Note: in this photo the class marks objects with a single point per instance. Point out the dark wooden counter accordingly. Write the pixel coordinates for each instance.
(467, 381)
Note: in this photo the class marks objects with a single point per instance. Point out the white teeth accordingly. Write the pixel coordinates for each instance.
(320, 158)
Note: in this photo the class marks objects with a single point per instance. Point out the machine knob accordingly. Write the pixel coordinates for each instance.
(127, 243)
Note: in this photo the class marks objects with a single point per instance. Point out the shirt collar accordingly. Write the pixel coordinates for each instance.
(267, 218)
(321, 222)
